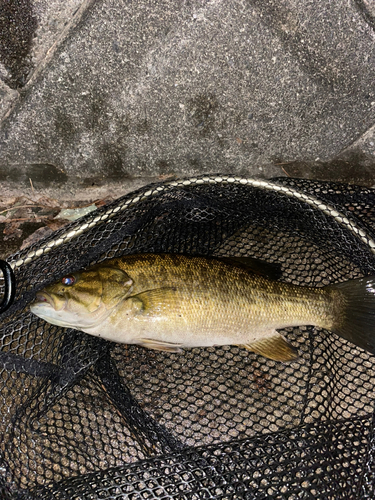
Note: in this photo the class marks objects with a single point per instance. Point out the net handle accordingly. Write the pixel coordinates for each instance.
(10, 286)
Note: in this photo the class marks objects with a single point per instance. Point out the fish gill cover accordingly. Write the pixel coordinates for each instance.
(84, 418)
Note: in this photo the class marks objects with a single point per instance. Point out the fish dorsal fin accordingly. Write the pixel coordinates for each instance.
(270, 270)
(274, 347)
(154, 301)
(159, 345)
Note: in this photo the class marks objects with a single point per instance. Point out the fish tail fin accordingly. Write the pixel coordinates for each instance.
(354, 319)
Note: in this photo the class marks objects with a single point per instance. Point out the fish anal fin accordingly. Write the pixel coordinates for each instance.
(159, 345)
(274, 347)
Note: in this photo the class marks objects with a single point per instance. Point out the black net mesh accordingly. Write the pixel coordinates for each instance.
(82, 418)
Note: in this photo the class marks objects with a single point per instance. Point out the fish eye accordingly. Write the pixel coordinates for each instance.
(68, 280)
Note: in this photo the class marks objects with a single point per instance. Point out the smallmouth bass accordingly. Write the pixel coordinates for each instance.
(171, 301)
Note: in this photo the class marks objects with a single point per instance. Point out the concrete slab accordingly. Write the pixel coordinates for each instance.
(8, 97)
(29, 29)
(146, 89)
(30, 32)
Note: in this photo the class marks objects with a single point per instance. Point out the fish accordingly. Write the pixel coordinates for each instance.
(170, 302)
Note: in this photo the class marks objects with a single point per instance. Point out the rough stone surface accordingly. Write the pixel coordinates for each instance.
(365, 147)
(8, 97)
(28, 30)
(17, 27)
(152, 89)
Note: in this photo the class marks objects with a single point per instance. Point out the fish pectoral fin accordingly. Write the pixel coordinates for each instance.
(274, 347)
(154, 301)
(159, 345)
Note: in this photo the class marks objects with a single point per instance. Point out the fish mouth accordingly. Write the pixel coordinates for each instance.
(45, 299)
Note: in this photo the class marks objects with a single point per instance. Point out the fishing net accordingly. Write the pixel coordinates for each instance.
(83, 418)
